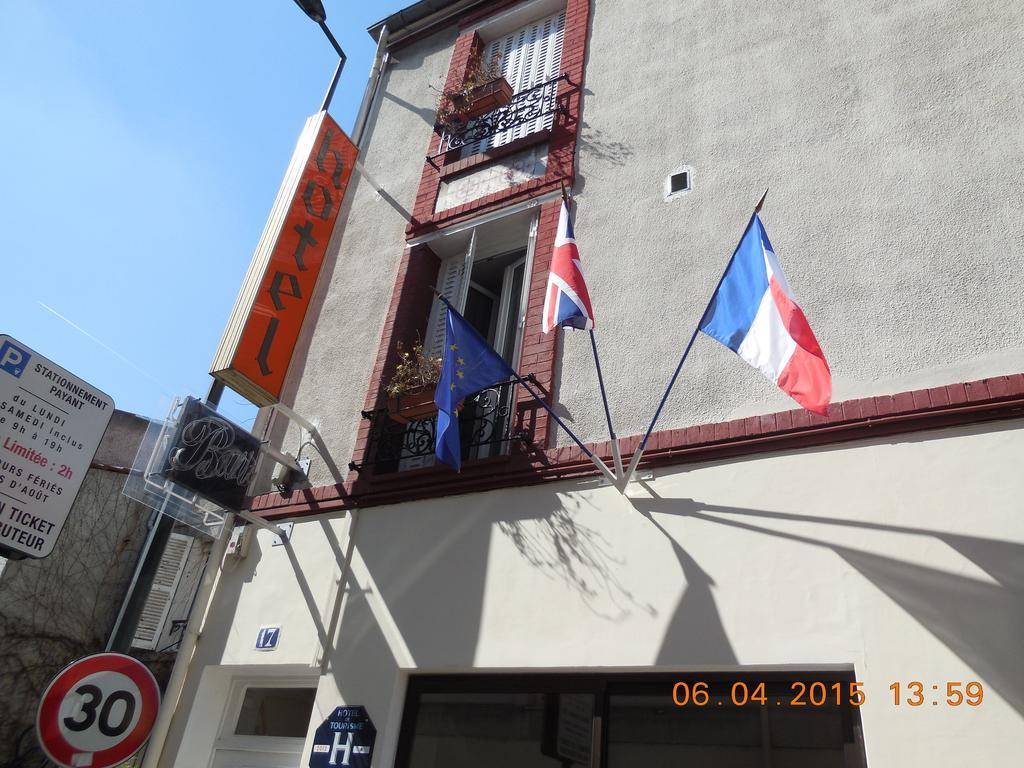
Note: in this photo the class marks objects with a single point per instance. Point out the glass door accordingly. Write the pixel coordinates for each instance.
(492, 408)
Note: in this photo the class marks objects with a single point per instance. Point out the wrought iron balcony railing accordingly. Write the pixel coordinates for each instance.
(529, 106)
(485, 427)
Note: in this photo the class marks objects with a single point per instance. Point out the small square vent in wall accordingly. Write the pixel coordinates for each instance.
(679, 182)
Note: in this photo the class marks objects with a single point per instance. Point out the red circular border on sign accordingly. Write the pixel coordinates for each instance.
(52, 740)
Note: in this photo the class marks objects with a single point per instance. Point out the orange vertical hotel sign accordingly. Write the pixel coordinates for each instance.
(257, 345)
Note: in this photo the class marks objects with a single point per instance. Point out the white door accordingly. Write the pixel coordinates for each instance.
(265, 723)
(229, 758)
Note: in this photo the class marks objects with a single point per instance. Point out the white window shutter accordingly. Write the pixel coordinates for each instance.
(529, 56)
(165, 582)
(448, 285)
(452, 283)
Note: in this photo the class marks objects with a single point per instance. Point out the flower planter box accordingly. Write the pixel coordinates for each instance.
(412, 406)
(484, 98)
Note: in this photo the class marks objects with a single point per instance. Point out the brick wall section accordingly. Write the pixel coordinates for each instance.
(561, 146)
(466, 47)
(1000, 397)
(411, 299)
(408, 314)
(539, 350)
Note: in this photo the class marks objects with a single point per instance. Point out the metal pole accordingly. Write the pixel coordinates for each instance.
(213, 396)
(330, 37)
(333, 85)
(589, 453)
(251, 517)
(189, 640)
(342, 58)
(600, 377)
(607, 412)
(643, 443)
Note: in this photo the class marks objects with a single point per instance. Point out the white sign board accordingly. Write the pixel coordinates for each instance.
(50, 426)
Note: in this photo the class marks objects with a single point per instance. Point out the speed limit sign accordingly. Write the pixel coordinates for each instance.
(98, 711)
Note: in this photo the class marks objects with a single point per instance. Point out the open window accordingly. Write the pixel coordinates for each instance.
(484, 273)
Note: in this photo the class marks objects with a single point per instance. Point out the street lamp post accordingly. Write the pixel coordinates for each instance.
(314, 9)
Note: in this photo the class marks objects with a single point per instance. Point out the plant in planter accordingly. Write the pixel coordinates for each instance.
(483, 90)
(411, 390)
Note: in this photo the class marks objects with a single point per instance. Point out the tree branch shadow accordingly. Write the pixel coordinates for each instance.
(560, 546)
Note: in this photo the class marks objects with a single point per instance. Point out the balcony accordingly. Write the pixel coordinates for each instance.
(528, 112)
(485, 426)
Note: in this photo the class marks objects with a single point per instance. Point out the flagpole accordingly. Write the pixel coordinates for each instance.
(607, 413)
(600, 381)
(589, 453)
(689, 345)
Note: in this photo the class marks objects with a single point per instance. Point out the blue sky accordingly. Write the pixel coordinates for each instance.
(141, 146)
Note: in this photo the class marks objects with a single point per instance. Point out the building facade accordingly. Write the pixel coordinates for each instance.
(775, 588)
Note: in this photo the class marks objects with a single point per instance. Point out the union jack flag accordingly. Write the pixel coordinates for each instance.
(566, 300)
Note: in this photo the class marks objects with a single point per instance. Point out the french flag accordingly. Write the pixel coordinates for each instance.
(566, 300)
(754, 314)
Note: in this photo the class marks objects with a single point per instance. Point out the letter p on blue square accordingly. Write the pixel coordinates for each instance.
(13, 359)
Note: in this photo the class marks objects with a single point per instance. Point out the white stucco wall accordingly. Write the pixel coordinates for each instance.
(854, 554)
(889, 135)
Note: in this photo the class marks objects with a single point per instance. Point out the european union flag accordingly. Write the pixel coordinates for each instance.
(470, 364)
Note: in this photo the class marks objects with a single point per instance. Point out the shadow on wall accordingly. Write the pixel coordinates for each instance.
(215, 631)
(427, 114)
(980, 622)
(602, 148)
(696, 609)
(563, 548)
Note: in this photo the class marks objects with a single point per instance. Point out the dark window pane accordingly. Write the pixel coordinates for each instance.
(508, 350)
(275, 712)
(646, 728)
(652, 732)
(679, 182)
(525, 730)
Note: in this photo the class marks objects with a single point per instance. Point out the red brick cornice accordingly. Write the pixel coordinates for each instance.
(1000, 397)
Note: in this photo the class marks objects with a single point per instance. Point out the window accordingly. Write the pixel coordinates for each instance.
(280, 712)
(626, 720)
(483, 274)
(530, 57)
(678, 183)
(532, 725)
(264, 722)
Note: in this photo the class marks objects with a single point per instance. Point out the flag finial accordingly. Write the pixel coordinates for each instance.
(757, 208)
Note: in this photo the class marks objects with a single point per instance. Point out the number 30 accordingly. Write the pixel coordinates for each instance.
(88, 709)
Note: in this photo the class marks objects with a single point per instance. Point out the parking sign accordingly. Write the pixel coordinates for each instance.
(51, 423)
